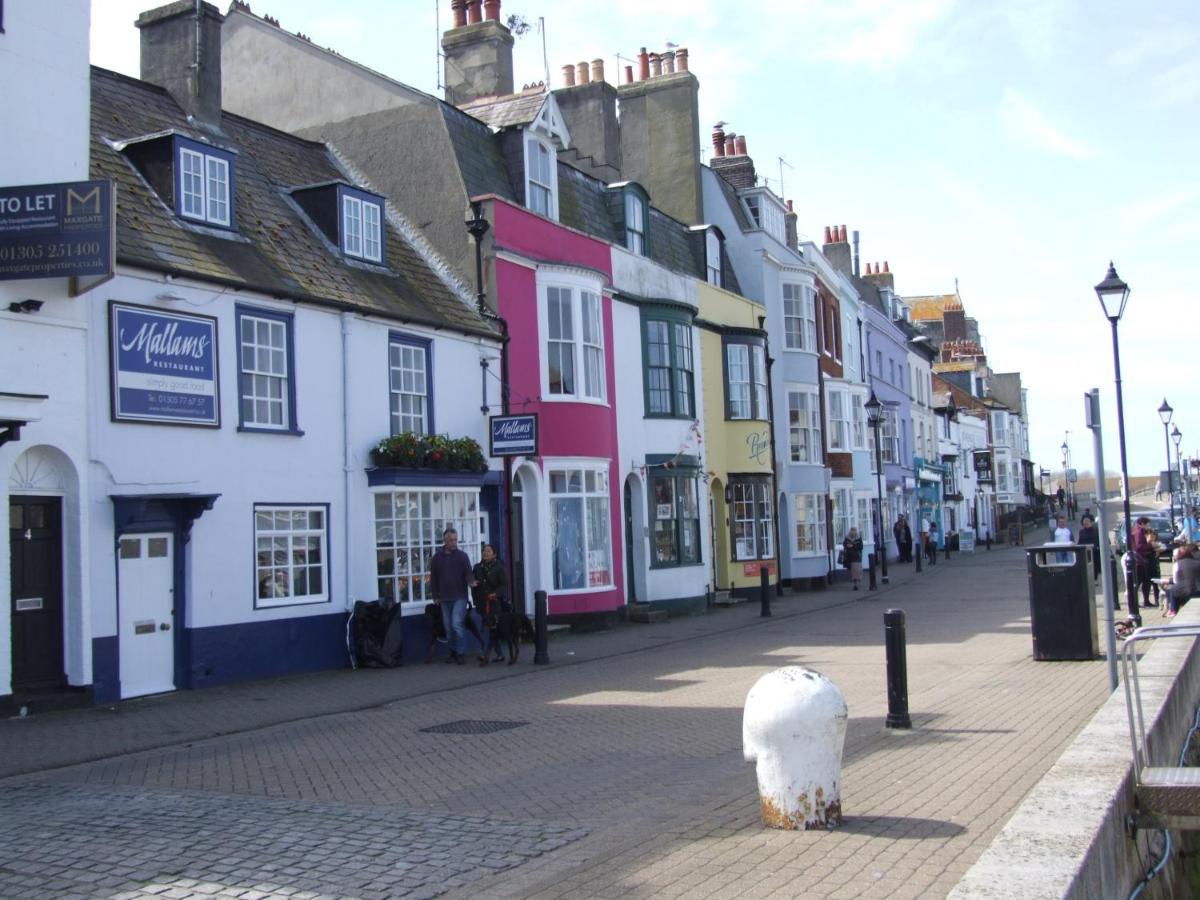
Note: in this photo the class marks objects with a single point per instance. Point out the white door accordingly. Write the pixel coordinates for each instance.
(147, 614)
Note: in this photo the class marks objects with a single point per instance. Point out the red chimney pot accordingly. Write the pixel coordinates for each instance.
(474, 11)
(643, 64)
(885, 266)
(718, 140)
(629, 74)
(730, 148)
(459, 9)
(828, 238)
(741, 145)
(842, 234)
(789, 206)
(681, 59)
(491, 10)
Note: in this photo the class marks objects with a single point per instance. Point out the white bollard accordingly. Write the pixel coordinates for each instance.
(794, 727)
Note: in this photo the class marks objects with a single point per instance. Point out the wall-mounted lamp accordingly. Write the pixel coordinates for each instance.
(729, 493)
(25, 306)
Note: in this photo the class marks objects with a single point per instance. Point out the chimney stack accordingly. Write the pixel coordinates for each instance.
(736, 166)
(589, 110)
(836, 250)
(478, 54)
(181, 52)
(790, 227)
(718, 140)
(581, 76)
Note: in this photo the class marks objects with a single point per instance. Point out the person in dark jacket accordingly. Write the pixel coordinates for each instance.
(904, 541)
(852, 552)
(450, 581)
(491, 582)
(1090, 535)
(1186, 580)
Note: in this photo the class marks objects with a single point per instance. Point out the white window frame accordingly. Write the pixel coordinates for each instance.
(838, 430)
(858, 421)
(804, 437)
(842, 501)
(271, 366)
(890, 449)
(408, 380)
(635, 223)
(285, 543)
(597, 501)
(799, 317)
(585, 338)
(812, 508)
(541, 184)
(213, 202)
(712, 258)
(403, 513)
(362, 233)
(751, 520)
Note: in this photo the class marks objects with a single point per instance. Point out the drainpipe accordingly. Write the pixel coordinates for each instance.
(762, 326)
(348, 467)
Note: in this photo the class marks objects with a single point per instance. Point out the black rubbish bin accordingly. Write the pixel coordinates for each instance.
(1062, 602)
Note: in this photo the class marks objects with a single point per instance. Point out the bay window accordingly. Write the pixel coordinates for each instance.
(572, 323)
(809, 510)
(669, 365)
(799, 318)
(745, 379)
(409, 523)
(751, 518)
(804, 426)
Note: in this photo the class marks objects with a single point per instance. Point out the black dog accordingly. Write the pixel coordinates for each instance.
(511, 628)
(437, 628)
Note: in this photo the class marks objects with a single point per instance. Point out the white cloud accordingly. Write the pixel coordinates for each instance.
(1153, 44)
(1029, 125)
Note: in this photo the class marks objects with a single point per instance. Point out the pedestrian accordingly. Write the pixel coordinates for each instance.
(852, 553)
(903, 535)
(1089, 535)
(1185, 579)
(490, 583)
(1189, 528)
(1087, 514)
(1062, 497)
(1143, 555)
(931, 546)
(1062, 535)
(450, 583)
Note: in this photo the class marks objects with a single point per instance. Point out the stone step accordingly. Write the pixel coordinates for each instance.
(644, 612)
(725, 598)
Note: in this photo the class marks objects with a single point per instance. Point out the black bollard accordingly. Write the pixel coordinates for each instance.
(947, 540)
(897, 669)
(989, 539)
(764, 589)
(541, 655)
(871, 571)
(920, 552)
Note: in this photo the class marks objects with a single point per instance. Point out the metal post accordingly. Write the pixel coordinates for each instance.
(871, 586)
(541, 655)
(897, 669)
(764, 590)
(1092, 408)
(882, 547)
(1130, 586)
(946, 546)
(1170, 479)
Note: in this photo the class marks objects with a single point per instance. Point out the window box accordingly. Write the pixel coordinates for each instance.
(429, 451)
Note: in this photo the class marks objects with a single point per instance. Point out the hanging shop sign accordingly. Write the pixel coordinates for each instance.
(163, 366)
(514, 435)
(57, 230)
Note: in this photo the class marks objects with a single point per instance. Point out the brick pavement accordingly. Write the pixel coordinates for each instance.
(631, 757)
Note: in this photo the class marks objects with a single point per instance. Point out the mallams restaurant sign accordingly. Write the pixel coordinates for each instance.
(56, 230)
(163, 366)
(514, 435)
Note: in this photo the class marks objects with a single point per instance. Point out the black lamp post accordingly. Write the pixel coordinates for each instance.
(1165, 412)
(1066, 451)
(1114, 294)
(1177, 437)
(874, 417)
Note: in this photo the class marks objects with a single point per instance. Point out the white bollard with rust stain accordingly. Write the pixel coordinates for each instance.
(794, 727)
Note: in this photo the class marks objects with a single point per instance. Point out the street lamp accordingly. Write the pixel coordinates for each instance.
(1165, 412)
(1177, 437)
(1066, 452)
(874, 417)
(1114, 294)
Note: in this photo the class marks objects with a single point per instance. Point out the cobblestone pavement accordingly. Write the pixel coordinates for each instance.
(614, 772)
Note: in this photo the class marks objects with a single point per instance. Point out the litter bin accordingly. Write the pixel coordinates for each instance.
(1062, 602)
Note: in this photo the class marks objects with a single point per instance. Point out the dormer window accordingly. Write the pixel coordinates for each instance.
(767, 213)
(712, 258)
(205, 183)
(635, 222)
(541, 177)
(362, 225)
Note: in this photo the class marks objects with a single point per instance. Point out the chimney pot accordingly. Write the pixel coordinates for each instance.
(789, 206)
(741, 145)
(655, 65)
(582, 73)
(458, 8)
(730, 147)
(828, 238)
(629, 74)
(885, 267)
(718, 140)
(842, 234)
(474, 12)
(681, 59)
(568, 76)
(597, 70)
(491, 10)
(668, 59)
(643, 64)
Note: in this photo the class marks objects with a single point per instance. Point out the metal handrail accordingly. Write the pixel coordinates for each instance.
(1137, 723)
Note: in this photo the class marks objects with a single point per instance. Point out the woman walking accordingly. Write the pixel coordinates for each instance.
(491, 580)
(1089, 535)
(852, 551)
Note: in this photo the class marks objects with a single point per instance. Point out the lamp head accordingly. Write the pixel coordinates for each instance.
(874, 408)
(477, 225)
(1165, 411)
(1176, 436)
(1113, 294)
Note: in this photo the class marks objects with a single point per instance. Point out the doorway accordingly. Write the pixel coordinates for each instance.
(146, 617)
(35, 542)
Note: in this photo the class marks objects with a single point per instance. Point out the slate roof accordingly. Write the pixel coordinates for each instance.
(274, 249)
(509, 111)
(480, 161)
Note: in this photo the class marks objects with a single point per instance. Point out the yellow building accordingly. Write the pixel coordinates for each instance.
(738, 456)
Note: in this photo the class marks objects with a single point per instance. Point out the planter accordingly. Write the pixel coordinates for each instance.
(424, 477)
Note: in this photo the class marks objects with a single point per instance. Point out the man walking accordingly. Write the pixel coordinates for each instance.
(450, 581)
(903, 535)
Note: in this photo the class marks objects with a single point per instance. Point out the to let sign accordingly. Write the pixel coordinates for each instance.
(56, 230)
(164, 366)
(514, 435)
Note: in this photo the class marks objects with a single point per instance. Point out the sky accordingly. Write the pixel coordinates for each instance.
(1013, 147)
